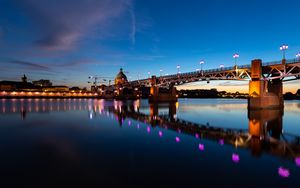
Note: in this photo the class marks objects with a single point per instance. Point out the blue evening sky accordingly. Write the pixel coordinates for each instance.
(67, 41)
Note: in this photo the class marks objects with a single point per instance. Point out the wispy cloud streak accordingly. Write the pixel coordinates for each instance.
(63, 23)
(133, 25)
(30, 65)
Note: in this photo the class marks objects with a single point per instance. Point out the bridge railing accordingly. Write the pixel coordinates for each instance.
(272, 63)
(287, 61)
(248, 66)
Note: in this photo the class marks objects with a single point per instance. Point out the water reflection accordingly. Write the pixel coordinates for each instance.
(264, 133)
(165, 127)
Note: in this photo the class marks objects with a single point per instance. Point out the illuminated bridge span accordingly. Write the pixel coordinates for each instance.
(258, 138)
(270, 71)
(265, 81)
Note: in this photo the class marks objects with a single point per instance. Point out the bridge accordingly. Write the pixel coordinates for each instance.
(265, 81)
(270, 71)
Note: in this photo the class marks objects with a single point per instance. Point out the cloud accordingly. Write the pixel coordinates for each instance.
(63, 23)
(80, 62)
(133, 25)
(29, 65)
(234, 83)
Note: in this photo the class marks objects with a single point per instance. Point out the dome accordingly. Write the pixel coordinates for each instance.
(120, 78)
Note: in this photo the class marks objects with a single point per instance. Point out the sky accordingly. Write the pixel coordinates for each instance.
(68, 41)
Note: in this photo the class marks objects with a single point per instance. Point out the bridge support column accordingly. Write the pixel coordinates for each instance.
(167, 96)
(263, 94)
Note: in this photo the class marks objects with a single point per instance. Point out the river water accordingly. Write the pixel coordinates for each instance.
(192, 143)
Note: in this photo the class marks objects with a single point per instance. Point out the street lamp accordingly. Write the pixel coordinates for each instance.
(283, 48)
(221, 66)
(148, 74)
(201, 63)
(178, 67)
(160, 71)
(298, 56)
(235, 56)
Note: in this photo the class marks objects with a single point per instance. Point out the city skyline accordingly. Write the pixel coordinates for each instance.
(66, 42)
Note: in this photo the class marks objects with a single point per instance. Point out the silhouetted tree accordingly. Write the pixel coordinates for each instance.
(289, 95)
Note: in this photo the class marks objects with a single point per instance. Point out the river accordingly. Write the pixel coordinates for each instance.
(106, 143)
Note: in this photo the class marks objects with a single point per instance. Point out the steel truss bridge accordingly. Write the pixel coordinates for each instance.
(289, 69)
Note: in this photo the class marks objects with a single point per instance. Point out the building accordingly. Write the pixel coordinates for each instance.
(121, 78)
(42, 83)
(56, 89)
(15, 85)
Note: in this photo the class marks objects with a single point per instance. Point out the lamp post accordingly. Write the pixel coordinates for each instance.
(201, 64)
(148, 74)
(160, 71)
(283, 48)
(178, 67)
(298, 56)
(235, 56)
(221, 66)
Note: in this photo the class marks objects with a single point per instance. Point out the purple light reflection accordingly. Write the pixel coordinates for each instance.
(221, 142)
(297, 161)
(197, 135)
(148, 129)
(235, 158)
(129, 123)
(201, 147)
(138, 126)
(283, 172)
(177, 139)
(160, 133)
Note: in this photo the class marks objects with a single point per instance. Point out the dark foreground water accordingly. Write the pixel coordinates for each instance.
(192, 143)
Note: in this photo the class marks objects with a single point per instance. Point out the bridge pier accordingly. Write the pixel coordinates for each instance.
(262, 93)
(156, 95)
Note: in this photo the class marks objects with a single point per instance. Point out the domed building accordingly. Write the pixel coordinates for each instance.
(121, 78)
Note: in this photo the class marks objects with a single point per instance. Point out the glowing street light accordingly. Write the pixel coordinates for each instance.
(235, 56)
(221, 66)
(178, 67)
(283, 48)
(298, 56)
(201, 63)
(149, 74)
